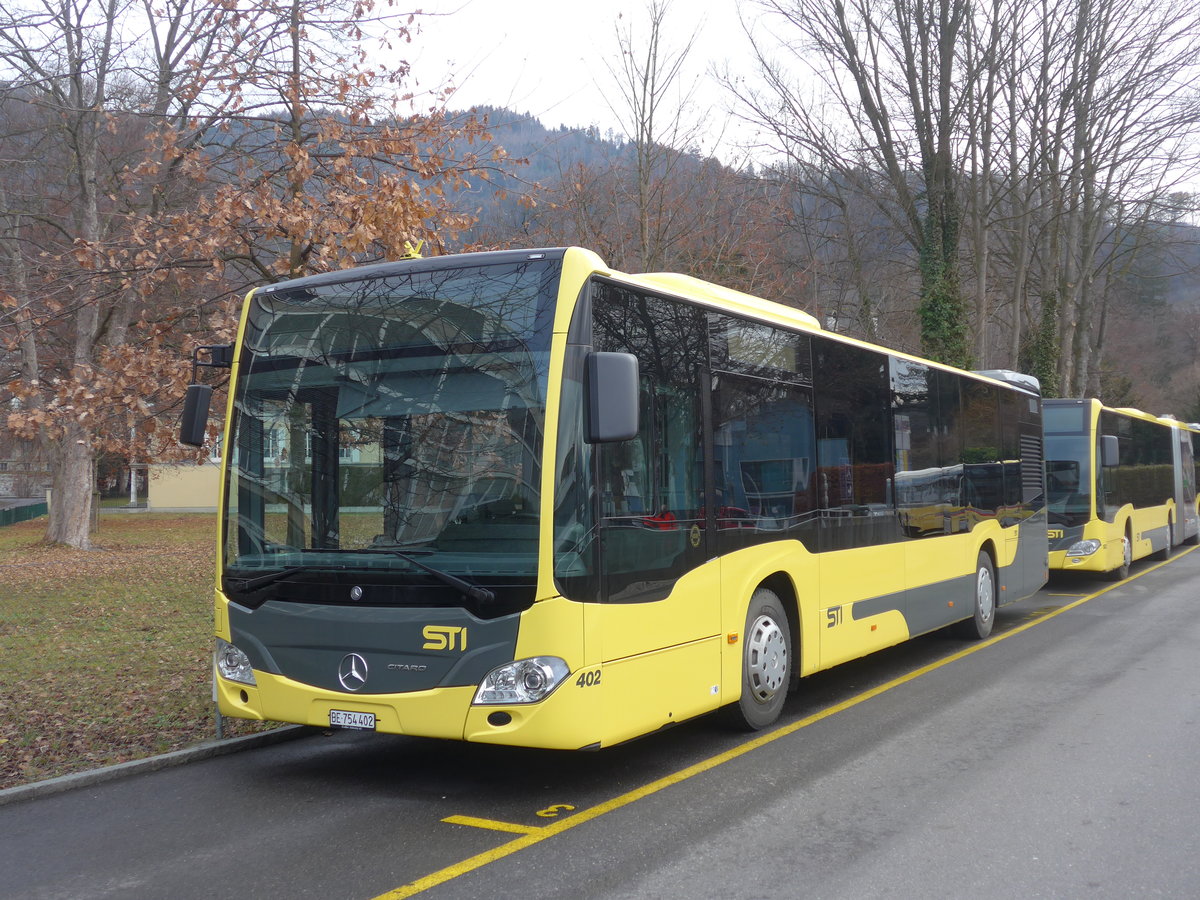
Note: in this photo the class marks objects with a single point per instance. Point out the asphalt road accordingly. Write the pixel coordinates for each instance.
(1058, 759)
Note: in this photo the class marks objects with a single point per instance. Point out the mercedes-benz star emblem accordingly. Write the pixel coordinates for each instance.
(356, 593)
(352, 672)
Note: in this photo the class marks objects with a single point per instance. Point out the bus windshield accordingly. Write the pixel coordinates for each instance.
(392, 424)
(1068, 479)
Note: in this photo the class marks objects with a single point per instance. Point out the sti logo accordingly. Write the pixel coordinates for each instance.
(444, 637)
(1054, 533)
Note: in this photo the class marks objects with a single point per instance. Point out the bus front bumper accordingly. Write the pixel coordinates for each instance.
(1099, 560)
(558, 722)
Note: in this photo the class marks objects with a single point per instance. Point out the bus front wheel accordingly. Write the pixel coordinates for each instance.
(983, 614)
(766, 662)
(1121, 572)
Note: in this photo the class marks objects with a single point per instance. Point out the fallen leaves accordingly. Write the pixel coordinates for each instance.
(105, 655)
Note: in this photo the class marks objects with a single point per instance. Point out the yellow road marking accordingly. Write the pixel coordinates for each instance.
(537, 835)
(491, 824)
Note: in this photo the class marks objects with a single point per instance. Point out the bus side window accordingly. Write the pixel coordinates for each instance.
(854, 482)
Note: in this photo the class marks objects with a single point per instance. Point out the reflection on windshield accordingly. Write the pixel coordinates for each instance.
(402, 412)
(1068, 479)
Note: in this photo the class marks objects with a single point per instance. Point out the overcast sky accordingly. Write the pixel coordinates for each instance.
(547, 57)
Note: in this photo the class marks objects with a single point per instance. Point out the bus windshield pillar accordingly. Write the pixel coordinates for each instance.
(325, 441)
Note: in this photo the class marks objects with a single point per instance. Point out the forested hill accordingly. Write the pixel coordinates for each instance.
(1170, 273)
(551, 151)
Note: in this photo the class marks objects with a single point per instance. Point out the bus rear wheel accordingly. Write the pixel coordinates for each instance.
(766, 662)
(983, 614)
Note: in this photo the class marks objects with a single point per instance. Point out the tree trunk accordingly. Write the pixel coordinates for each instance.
(71, 468)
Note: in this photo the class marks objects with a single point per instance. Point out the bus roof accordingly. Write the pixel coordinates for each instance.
(689, 286)
(679, 285)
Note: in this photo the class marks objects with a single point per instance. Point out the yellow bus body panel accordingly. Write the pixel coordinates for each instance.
(849, 577)
(554, 627)
(1143, 521)
(650, 691)
(569, 719)
(661, 660)
(690, 613)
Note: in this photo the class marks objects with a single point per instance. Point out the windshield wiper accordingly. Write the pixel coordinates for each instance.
(474, 591)
(253, 584)
(262, 581)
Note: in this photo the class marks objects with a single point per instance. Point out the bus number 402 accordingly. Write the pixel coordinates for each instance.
(588, 679)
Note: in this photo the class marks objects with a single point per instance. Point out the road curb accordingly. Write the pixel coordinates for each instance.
(206, 750)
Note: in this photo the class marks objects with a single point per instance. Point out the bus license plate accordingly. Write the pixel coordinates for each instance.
(359, 721)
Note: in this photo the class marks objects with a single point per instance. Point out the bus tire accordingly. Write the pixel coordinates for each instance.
(983, 613)
(766, 663)
(1121, 572)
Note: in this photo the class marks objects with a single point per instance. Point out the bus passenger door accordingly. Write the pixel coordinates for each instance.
(657, 621)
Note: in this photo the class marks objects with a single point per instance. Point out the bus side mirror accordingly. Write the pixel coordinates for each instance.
(195, 414)
(612, 397)
(1110, 451)
(199, 396)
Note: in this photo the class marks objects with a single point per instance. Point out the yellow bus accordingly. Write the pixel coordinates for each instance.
(518, 497)
(1120, 483)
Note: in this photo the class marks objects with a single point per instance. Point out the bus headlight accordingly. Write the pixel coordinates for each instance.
(523, 681)
(1083, 548)
(232, 664)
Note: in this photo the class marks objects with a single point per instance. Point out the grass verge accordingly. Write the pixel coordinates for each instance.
(105, 655)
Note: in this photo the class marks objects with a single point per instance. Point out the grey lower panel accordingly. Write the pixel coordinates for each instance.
(928, 607)
(1029, 571)
(401, 649)
(1160, 538)
(924, 608)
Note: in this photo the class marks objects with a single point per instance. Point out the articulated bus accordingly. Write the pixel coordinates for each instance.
(1120, 486)
(520, 498)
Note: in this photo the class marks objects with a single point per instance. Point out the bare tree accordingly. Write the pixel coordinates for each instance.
(653, 109)
(895, 79)
(655, 201)
(1050, 130)
(1131, 127)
